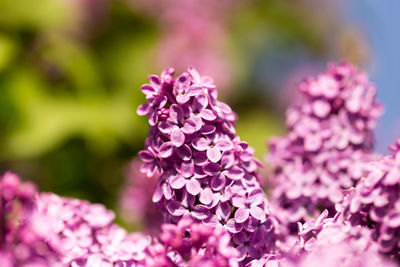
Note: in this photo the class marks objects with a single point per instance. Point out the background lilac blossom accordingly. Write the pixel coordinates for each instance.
(328, 144)
(375, 203)
(328, 242)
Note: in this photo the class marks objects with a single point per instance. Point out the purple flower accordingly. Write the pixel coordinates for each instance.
(188, 207)
(328, 144)
(249, 204)
(336, 243)
(176, 126)
(155, 95)
(207, 173)
(25, 239)
(375, 202)
(328, 242)
(213, 147)
(222, 219)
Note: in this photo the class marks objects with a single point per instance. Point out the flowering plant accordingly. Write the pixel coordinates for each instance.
(341, 197)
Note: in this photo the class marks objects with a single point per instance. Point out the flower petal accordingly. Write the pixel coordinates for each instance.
(193, 187)
(175, 208)
(257, 213)
(214, 154)
(206, 196)
(234, 173)
(177, 137)
(187, 169)
(256, 197)
(241, 215)
(207, 129)
(223, 211)
(211, 168)
(218, 182)
(208, 115)
(154, 81)
(158, 194)
(143, 109)
(227, 160)
(194, 90)
(200, 212)
(200, 102)
(176, 113)
(166, 150)
(238, 201)
(233, 227)
(184, 152)
(182, 98)
(223, 145)
(201, 144)
(200, 158)
(177, 182)
(148, 90)
(189, 127)
(146, 156)
(167, 127)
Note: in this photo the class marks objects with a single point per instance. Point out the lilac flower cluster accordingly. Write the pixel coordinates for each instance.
(328, 144)
(206, 172)
(375, 202)
(333, 242)
(23, 239)
(88, 235)
(328, 242)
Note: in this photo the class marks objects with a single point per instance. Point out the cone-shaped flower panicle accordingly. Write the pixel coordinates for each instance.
(328, 143)
(206, 172)
(375, 202)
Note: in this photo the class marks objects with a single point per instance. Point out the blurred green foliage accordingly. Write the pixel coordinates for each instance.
(68, 94)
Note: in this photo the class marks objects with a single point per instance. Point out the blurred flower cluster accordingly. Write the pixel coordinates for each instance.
(205, 183)
(328, 143)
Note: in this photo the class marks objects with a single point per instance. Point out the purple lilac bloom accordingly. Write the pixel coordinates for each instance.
(206, 172)
(329, 242)
(333, 242)
(24, 240)
(87, 234)
(135, 204)
(327, 146)
(375, 202)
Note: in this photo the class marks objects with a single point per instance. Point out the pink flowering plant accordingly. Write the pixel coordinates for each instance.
(334, 202)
